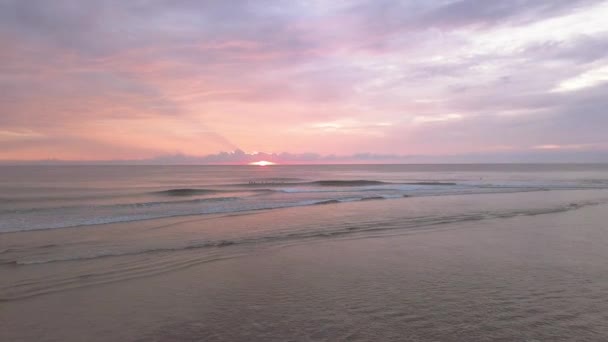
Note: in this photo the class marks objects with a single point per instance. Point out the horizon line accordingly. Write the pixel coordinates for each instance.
(102, 163)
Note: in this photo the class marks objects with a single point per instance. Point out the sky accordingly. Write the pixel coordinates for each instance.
(304, 80)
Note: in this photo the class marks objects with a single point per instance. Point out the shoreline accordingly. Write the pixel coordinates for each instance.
(320, 203)
(384, 286)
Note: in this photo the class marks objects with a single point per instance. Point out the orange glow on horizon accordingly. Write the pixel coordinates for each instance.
(263, 163)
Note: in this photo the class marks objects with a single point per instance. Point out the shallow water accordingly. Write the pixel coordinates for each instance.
(540, 277)
(520, 279)
(474, 252)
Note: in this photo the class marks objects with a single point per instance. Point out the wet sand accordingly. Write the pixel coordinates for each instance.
(540, 277)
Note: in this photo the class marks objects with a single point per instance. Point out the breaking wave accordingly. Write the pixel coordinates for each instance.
(346, 228)
(187, 192)
(151, 260)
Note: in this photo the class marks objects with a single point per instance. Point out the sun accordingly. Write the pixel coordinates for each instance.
(263, 163)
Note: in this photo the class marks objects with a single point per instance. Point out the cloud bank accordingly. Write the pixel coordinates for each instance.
(537, 154)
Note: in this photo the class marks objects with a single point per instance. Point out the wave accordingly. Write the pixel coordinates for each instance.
(347, 182)
(340, 229)
(354, 199)
(176, 202)
(343, 183)
(121, 213)
(373, 198)
(334, 183)
(331, 201)
(431, 183)
(192, 201)
(186, 192)
(365, 182)
(67, 197)
(30, 288)
(171, 258)
(131, 205)
(77, 197)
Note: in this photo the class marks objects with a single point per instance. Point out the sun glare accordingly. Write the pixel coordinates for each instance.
(263, 163)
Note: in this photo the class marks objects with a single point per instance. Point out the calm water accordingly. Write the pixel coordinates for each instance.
(67, 196)
(304, 253)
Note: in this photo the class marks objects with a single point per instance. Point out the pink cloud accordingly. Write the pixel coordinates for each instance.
(119, 80)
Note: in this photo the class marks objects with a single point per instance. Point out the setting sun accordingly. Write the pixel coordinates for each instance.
(263, 163)
(371, 170)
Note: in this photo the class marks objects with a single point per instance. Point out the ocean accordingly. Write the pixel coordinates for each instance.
(48, 197)
(301, 253)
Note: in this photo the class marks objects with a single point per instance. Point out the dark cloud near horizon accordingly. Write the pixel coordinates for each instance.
(240, 158)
